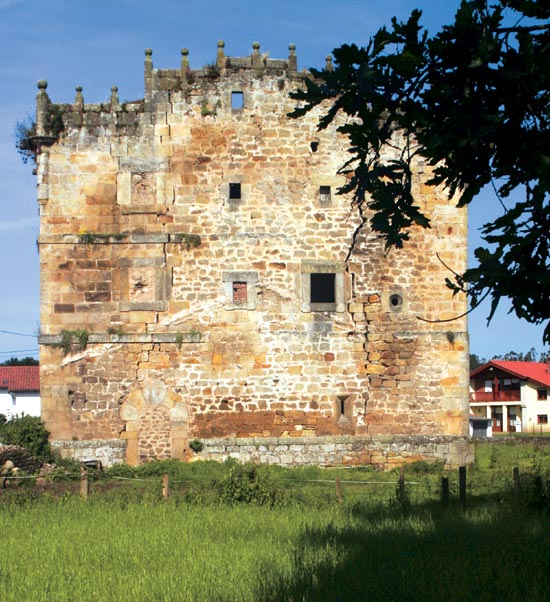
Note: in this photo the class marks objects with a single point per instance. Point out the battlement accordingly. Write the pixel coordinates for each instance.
(166, 86)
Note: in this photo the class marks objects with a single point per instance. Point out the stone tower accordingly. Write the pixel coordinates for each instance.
(202, 279)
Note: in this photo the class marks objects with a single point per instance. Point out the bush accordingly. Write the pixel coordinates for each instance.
(196, 445)
(28, 432)
(249, 484)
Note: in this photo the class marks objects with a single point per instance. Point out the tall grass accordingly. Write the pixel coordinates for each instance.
(66, 550)
(203, 544)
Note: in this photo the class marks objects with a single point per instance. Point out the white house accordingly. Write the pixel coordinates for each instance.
(19, 391)
(515, 395)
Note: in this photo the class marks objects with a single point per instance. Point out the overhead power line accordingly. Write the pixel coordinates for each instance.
(19, 334)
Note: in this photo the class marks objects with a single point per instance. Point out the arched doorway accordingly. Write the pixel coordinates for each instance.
(156, 424)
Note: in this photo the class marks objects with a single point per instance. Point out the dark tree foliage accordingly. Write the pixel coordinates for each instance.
(26, 361)
(476, 361)
(530, 356)
(473, 101)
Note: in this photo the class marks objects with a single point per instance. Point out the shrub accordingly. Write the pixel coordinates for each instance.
(121, 470)
(196, 445)
(249, 484)
(28, 432)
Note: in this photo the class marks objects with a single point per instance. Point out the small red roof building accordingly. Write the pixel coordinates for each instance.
(20, 378)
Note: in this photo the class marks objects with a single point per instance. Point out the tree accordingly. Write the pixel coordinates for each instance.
(474, 102)
(26, 361)
(476, 361)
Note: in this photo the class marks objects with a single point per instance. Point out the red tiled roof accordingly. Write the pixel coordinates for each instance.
(20, 378)
(535, 371)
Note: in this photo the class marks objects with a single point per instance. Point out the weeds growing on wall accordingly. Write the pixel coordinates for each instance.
(25, 132)
(69, 338)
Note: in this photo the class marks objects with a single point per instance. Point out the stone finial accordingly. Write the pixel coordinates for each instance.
(184, 59)
(79, 99)
(220, 56)
(114, 97)
(42, 101)
(328, 65)
(292, 58)
(148, 68)
(256, 57)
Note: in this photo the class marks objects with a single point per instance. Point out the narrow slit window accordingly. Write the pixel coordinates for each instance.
(235, 191)
(323, 288)
(240, 293)
(237, 101)
(324, 194)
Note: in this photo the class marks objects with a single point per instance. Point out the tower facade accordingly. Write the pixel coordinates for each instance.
(202, 279)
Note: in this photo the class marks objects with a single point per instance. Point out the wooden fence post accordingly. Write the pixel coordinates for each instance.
(339, 495)
(517, 484)
(462, 486)
(445, 492)
(539, 488)
(165, 487)
(401, 486)
(84, 485)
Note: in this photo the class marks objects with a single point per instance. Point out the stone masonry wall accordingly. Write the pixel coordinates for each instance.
(201, 278)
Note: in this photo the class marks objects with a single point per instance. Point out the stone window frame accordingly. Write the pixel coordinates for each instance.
(325, 194)
(323, 267)
(163, 193)
(394, 301)
(225, 196)
(345, 402)
(162, 284)
(251, 279)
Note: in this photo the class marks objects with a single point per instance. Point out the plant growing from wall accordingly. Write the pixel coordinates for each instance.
(206, 108)
(115, 331)
(25, 132)
(196, 445)
(189, 240)
(92, 238)
(211, 71)
(73, 337)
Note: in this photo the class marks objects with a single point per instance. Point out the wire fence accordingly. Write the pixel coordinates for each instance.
(453, 488)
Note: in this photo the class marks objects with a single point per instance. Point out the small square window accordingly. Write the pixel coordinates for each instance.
(542, 394)
(542, 419)
(324, 194)
(240, 289)
(235, 191)
(237, 101)
(322, 288)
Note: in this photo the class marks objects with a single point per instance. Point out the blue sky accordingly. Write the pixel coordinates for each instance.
(100, 44)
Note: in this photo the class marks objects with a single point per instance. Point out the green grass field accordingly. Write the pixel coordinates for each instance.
(292, 542)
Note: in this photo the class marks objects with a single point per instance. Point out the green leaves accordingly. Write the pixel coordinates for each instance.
(473, 101)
